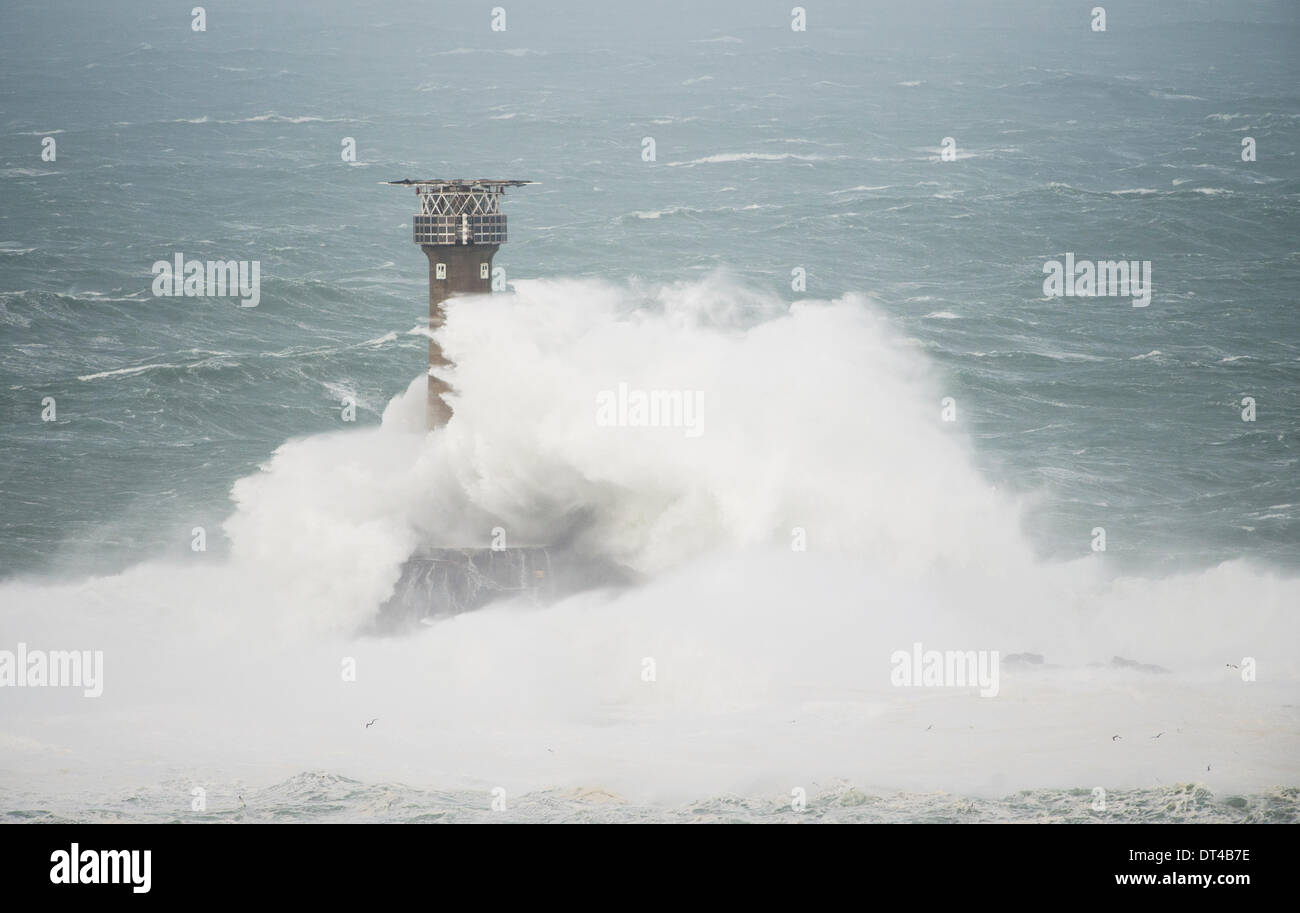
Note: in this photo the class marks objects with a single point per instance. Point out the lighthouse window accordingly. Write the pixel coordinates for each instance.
(482, 270)
(440, 271)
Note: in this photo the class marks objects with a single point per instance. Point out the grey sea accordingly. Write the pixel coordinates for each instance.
(840, 235)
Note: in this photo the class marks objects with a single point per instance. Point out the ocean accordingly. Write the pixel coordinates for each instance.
(837, 237)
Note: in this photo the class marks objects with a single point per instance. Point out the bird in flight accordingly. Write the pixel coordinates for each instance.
(1115, 738)
(1157, 735)
(372, 722)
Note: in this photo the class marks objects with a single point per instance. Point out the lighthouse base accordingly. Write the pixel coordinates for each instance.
(438, 583)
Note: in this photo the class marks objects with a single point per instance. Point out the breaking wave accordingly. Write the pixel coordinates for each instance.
(771, 664)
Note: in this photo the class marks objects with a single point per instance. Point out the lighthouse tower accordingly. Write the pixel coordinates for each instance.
(459, 227)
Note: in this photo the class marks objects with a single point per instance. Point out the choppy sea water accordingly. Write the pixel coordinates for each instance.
(775, 150)
(323, 797)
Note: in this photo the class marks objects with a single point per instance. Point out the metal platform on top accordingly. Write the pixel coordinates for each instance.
(459, 211)
(459, 182)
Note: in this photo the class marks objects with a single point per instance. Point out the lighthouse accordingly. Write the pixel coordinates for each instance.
(460, 227)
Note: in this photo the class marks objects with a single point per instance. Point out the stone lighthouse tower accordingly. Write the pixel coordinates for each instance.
(459, 227)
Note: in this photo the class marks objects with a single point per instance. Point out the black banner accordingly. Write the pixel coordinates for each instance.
(332, 862)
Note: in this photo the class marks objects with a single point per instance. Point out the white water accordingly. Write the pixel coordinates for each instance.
(772, 666)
